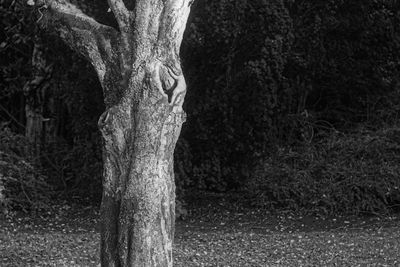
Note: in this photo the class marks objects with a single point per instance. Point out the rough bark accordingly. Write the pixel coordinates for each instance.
(139, 69)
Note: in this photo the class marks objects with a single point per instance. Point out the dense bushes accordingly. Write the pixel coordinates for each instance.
(344, 68)
(345, 57)
(355, 173)
(23, 184)
(259, 77)
(234, 54)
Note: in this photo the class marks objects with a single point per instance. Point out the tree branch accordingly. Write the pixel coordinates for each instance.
(121, 13)
(160, 24)
(123, 17)
(82, 33)
(174, 24)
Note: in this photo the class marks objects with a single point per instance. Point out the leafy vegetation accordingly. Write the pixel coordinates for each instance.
(23, 185)
(294, 101)
(351, 173)
(234, 55)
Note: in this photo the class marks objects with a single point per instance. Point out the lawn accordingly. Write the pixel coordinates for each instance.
(217, 234)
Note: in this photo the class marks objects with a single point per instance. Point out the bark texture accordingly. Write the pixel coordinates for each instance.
(139, 69)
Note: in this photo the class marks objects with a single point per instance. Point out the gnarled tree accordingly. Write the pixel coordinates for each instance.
(139, 69)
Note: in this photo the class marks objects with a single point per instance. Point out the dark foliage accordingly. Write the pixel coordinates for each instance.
(23, 184)
(71, 160)
(234, 54)
(15, 53)
(351, 173)
(262, 75)
(345, 60)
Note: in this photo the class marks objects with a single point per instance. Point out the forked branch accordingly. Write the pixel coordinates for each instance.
(79, 31)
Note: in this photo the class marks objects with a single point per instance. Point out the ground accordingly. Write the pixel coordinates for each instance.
(214, 233)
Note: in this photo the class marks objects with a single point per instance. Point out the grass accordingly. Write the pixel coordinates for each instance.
(215, 233)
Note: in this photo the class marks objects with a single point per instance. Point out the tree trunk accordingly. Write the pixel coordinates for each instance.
(138, 205)
(144, 89)
(35, 92)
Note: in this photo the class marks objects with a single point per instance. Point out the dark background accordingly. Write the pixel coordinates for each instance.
(291, 104)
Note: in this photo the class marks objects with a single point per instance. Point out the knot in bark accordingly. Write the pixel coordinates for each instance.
(171, 84)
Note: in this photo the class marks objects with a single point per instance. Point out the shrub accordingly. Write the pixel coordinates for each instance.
(353, 173)
(23, 185)
(76, 170)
